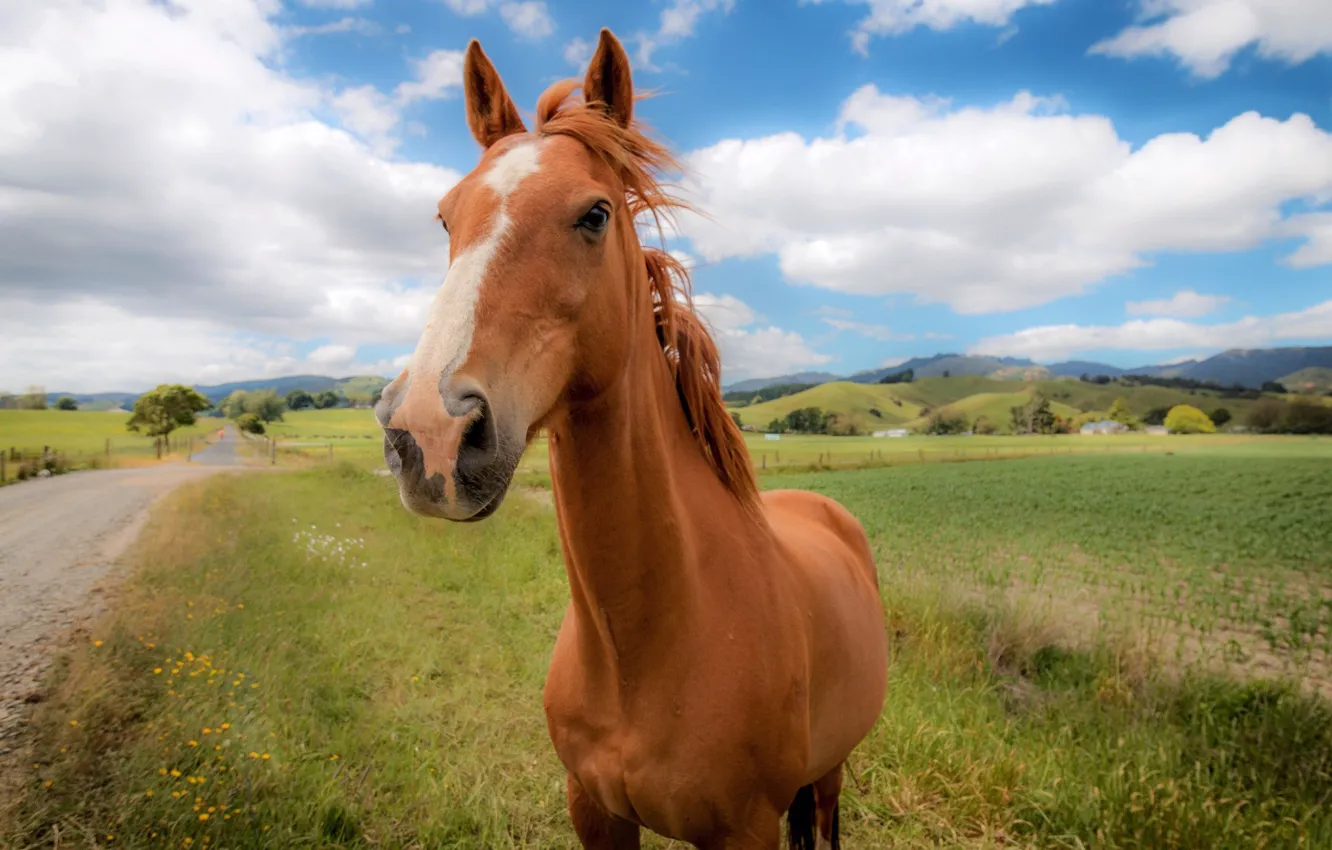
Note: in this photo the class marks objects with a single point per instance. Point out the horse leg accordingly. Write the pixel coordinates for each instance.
(597, 828)
(827, 790)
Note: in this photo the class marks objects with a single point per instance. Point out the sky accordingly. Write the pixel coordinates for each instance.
(212, 190)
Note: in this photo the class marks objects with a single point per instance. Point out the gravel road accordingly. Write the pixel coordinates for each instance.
(58, 537)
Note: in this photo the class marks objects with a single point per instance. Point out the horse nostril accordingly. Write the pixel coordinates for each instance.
(478, 446)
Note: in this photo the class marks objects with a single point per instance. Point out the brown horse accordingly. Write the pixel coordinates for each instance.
(723, 651)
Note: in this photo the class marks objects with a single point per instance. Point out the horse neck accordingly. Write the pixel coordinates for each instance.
(634, 493)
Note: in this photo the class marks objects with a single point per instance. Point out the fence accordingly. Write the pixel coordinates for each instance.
(20, 462)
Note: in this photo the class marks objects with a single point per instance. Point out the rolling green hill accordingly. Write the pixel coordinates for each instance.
(1316, 379)
(872, 407)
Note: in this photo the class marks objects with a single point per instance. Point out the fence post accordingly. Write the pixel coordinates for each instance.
(330, 452)
(108, 447)
(4, 459)
(189, 449)
(272, 451)
(157, 444)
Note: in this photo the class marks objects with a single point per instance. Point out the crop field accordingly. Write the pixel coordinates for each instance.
(356, 437)
(1120, 650)
(82, 436)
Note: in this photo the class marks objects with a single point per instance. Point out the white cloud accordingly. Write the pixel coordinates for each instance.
(677, 22)
(882, 333)
(529, 19)
(332, 355)
(578, 52)
(1185, 304)
(1058, 342)
(191, 191)
(995, 209)
(748, 349)
(88, 345)
(526, 18)
(336, 4)
(894, 17)
(1317, 229)
(438, 75)
(1205, 35)
(360, 25)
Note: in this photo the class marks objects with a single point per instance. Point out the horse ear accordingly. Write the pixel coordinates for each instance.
(491, 114)
(608, 82)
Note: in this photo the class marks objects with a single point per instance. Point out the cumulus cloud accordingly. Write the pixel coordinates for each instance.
(882, 333)
(677, 22)
(527, 19)
(578, 52)
(894, 17)
(336, 4)
(750, 349)
(1205, 35)
(1000, 208)
(1185, 304)
(1058, 342)
(192, 186)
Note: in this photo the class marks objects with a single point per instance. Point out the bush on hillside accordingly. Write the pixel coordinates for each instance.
(1220, 416)
(943, 424)
(250, 423)
(1187, 419)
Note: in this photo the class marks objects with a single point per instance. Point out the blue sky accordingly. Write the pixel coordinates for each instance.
(249, 185)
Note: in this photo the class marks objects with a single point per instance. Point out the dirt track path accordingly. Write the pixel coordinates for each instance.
(58, 537)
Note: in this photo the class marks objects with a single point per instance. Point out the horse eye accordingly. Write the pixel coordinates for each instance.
(596, 218)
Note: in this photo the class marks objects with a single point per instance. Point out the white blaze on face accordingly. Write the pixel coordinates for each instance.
(447, 337)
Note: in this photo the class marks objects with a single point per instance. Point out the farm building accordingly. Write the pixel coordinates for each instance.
(1105, 426)
(892, 432)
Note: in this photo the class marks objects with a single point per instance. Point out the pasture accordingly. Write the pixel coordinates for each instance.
(1119, 650)
(84, 437)
(356, 437)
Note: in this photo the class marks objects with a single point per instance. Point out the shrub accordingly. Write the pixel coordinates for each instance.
(1220, 416)
(942, 424)
(66, 403)
(250, 422)
(983, 426)
(1187, 419)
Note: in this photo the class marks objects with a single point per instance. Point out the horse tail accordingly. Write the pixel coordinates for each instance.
(800, 821)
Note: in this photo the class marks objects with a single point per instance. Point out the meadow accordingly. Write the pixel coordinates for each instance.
(1102, 650)
(89, 438)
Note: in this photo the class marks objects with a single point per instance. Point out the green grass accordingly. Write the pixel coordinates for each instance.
(82, 436)
(392, 669)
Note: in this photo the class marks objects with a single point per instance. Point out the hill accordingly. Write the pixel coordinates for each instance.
(756, 384)
(872, 407)
(936, 366)
(1314, 379)
(1252, 367)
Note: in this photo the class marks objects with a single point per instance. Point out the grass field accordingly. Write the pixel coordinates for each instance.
(1087, 651)
(82, 436)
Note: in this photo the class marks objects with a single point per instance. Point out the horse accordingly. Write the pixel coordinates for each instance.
(723, 650)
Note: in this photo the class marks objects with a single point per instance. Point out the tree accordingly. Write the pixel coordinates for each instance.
(735, 417)
(983, 425)
(1273, 387)
(265, 404)
(776, 426)
(1266, 415)
(250, 422)
(1119, 412)
(1034, 417)
(299, 399)
(1187, 419)
(947, 373)
(166, 408)
(1220, 416)
(327, 399)
(943, 424)
(906, 376)
(33, 399)
(1307, 417)
(66, 403)
(233, 405)
(1155, 416)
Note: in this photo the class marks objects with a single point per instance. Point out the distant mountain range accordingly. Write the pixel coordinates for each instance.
(356, 385)
(1247, 367)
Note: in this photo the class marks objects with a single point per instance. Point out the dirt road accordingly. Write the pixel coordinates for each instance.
(58, 537)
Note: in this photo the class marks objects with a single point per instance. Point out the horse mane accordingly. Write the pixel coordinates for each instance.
(685, 341)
